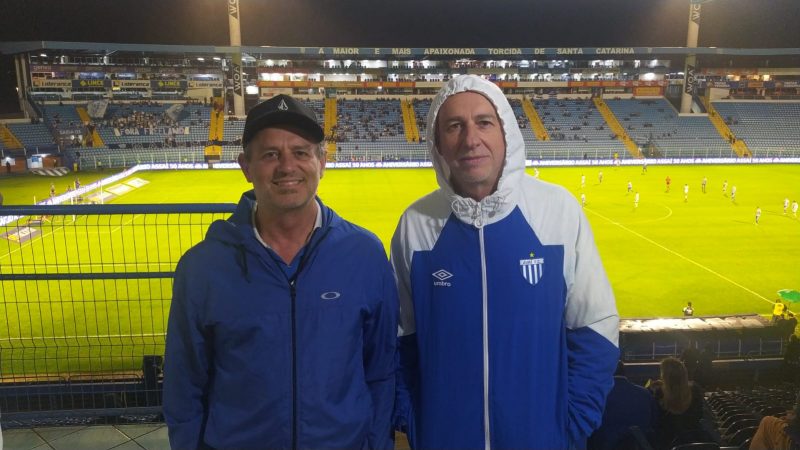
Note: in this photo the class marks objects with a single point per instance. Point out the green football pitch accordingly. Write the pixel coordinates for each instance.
(703, 247)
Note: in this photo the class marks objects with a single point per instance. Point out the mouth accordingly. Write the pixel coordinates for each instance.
(472, 160)
(287, 183)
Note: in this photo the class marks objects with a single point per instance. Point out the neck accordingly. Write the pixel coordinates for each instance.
(287, 232)
(477, 192)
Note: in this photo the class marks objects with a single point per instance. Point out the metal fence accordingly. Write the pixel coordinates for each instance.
(84, 299)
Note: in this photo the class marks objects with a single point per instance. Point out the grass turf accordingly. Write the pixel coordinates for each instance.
(706, 249)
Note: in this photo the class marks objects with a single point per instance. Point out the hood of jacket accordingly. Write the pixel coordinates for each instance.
(500, 203)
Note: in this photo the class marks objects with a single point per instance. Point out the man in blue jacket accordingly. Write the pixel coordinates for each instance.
(508, 323)
(283, 322)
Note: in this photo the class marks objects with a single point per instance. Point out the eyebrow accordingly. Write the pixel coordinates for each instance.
(291, 148)
(461, 117)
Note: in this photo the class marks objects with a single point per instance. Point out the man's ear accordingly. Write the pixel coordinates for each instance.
(244, 164)
(322, 161)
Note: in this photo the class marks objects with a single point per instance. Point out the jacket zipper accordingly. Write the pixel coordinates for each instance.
(293, 294)
(293, 298)
(487, 435)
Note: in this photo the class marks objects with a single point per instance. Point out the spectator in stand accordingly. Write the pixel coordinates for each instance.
(680, 403)
(690, 357)
(627, 405)
(481, 364)
(283, 321)
(704, 375)
(788, 324)
(791, 360)
(778, 433)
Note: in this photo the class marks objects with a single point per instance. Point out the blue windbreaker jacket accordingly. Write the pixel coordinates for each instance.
(509, 327)
(255, 360)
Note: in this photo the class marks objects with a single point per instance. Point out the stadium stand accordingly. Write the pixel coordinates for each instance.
(575, 128)
(654, 124)
(32, 135)
(769, 128)
(372, 130)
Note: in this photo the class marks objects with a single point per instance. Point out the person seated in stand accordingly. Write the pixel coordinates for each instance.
(627, 405)
(778, 433)
(680, 403)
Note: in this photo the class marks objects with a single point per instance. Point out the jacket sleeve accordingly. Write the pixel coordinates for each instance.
(185, 369)
(403, 416)
(380, 360)
(592, 338)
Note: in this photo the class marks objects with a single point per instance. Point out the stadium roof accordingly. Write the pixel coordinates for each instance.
(403, 52)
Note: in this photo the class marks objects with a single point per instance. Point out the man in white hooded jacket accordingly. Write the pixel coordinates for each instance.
(508, 334)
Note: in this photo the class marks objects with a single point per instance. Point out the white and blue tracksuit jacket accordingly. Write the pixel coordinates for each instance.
(509, 328)
(256, 359)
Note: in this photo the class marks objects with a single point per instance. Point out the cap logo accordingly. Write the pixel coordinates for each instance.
(282, 105)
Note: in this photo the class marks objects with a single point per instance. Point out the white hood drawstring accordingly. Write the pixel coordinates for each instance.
(477, 213)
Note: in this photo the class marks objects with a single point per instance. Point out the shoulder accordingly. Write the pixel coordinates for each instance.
(205, 257)
(435, 204)
(351, 240)
(547, 194)
(553, 212)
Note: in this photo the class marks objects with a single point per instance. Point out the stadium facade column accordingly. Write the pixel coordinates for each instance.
(689, 84)
(22, 81)
(235, 32)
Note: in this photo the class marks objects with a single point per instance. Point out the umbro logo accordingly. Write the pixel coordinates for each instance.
(442, 275)
(282, 105)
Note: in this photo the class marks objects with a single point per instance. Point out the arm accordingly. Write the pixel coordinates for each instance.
(592, 335)
(403, 417)
(380, 361)
(185, 369)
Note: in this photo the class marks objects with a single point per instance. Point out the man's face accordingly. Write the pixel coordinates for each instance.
(284, 168)
(470, 138)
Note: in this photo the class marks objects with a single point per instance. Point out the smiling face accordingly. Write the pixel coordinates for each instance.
(284, 167)
(470, 138)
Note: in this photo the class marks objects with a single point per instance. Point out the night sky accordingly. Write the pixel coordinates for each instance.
(405, 23)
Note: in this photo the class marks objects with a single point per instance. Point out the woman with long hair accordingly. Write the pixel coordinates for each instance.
(681, 404)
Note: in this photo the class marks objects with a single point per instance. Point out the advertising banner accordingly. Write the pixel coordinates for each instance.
(131, 84)
(205, 84)
(168, 85)
(39, 82)
(99, 84)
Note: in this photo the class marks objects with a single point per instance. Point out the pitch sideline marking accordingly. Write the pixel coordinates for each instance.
(647, 239)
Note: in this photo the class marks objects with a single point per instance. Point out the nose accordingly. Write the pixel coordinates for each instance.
(471, 135)
(286, 162)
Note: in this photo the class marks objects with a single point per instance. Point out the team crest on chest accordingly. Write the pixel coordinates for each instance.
(532, 268)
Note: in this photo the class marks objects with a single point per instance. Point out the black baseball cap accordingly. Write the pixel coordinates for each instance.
(281, 110)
